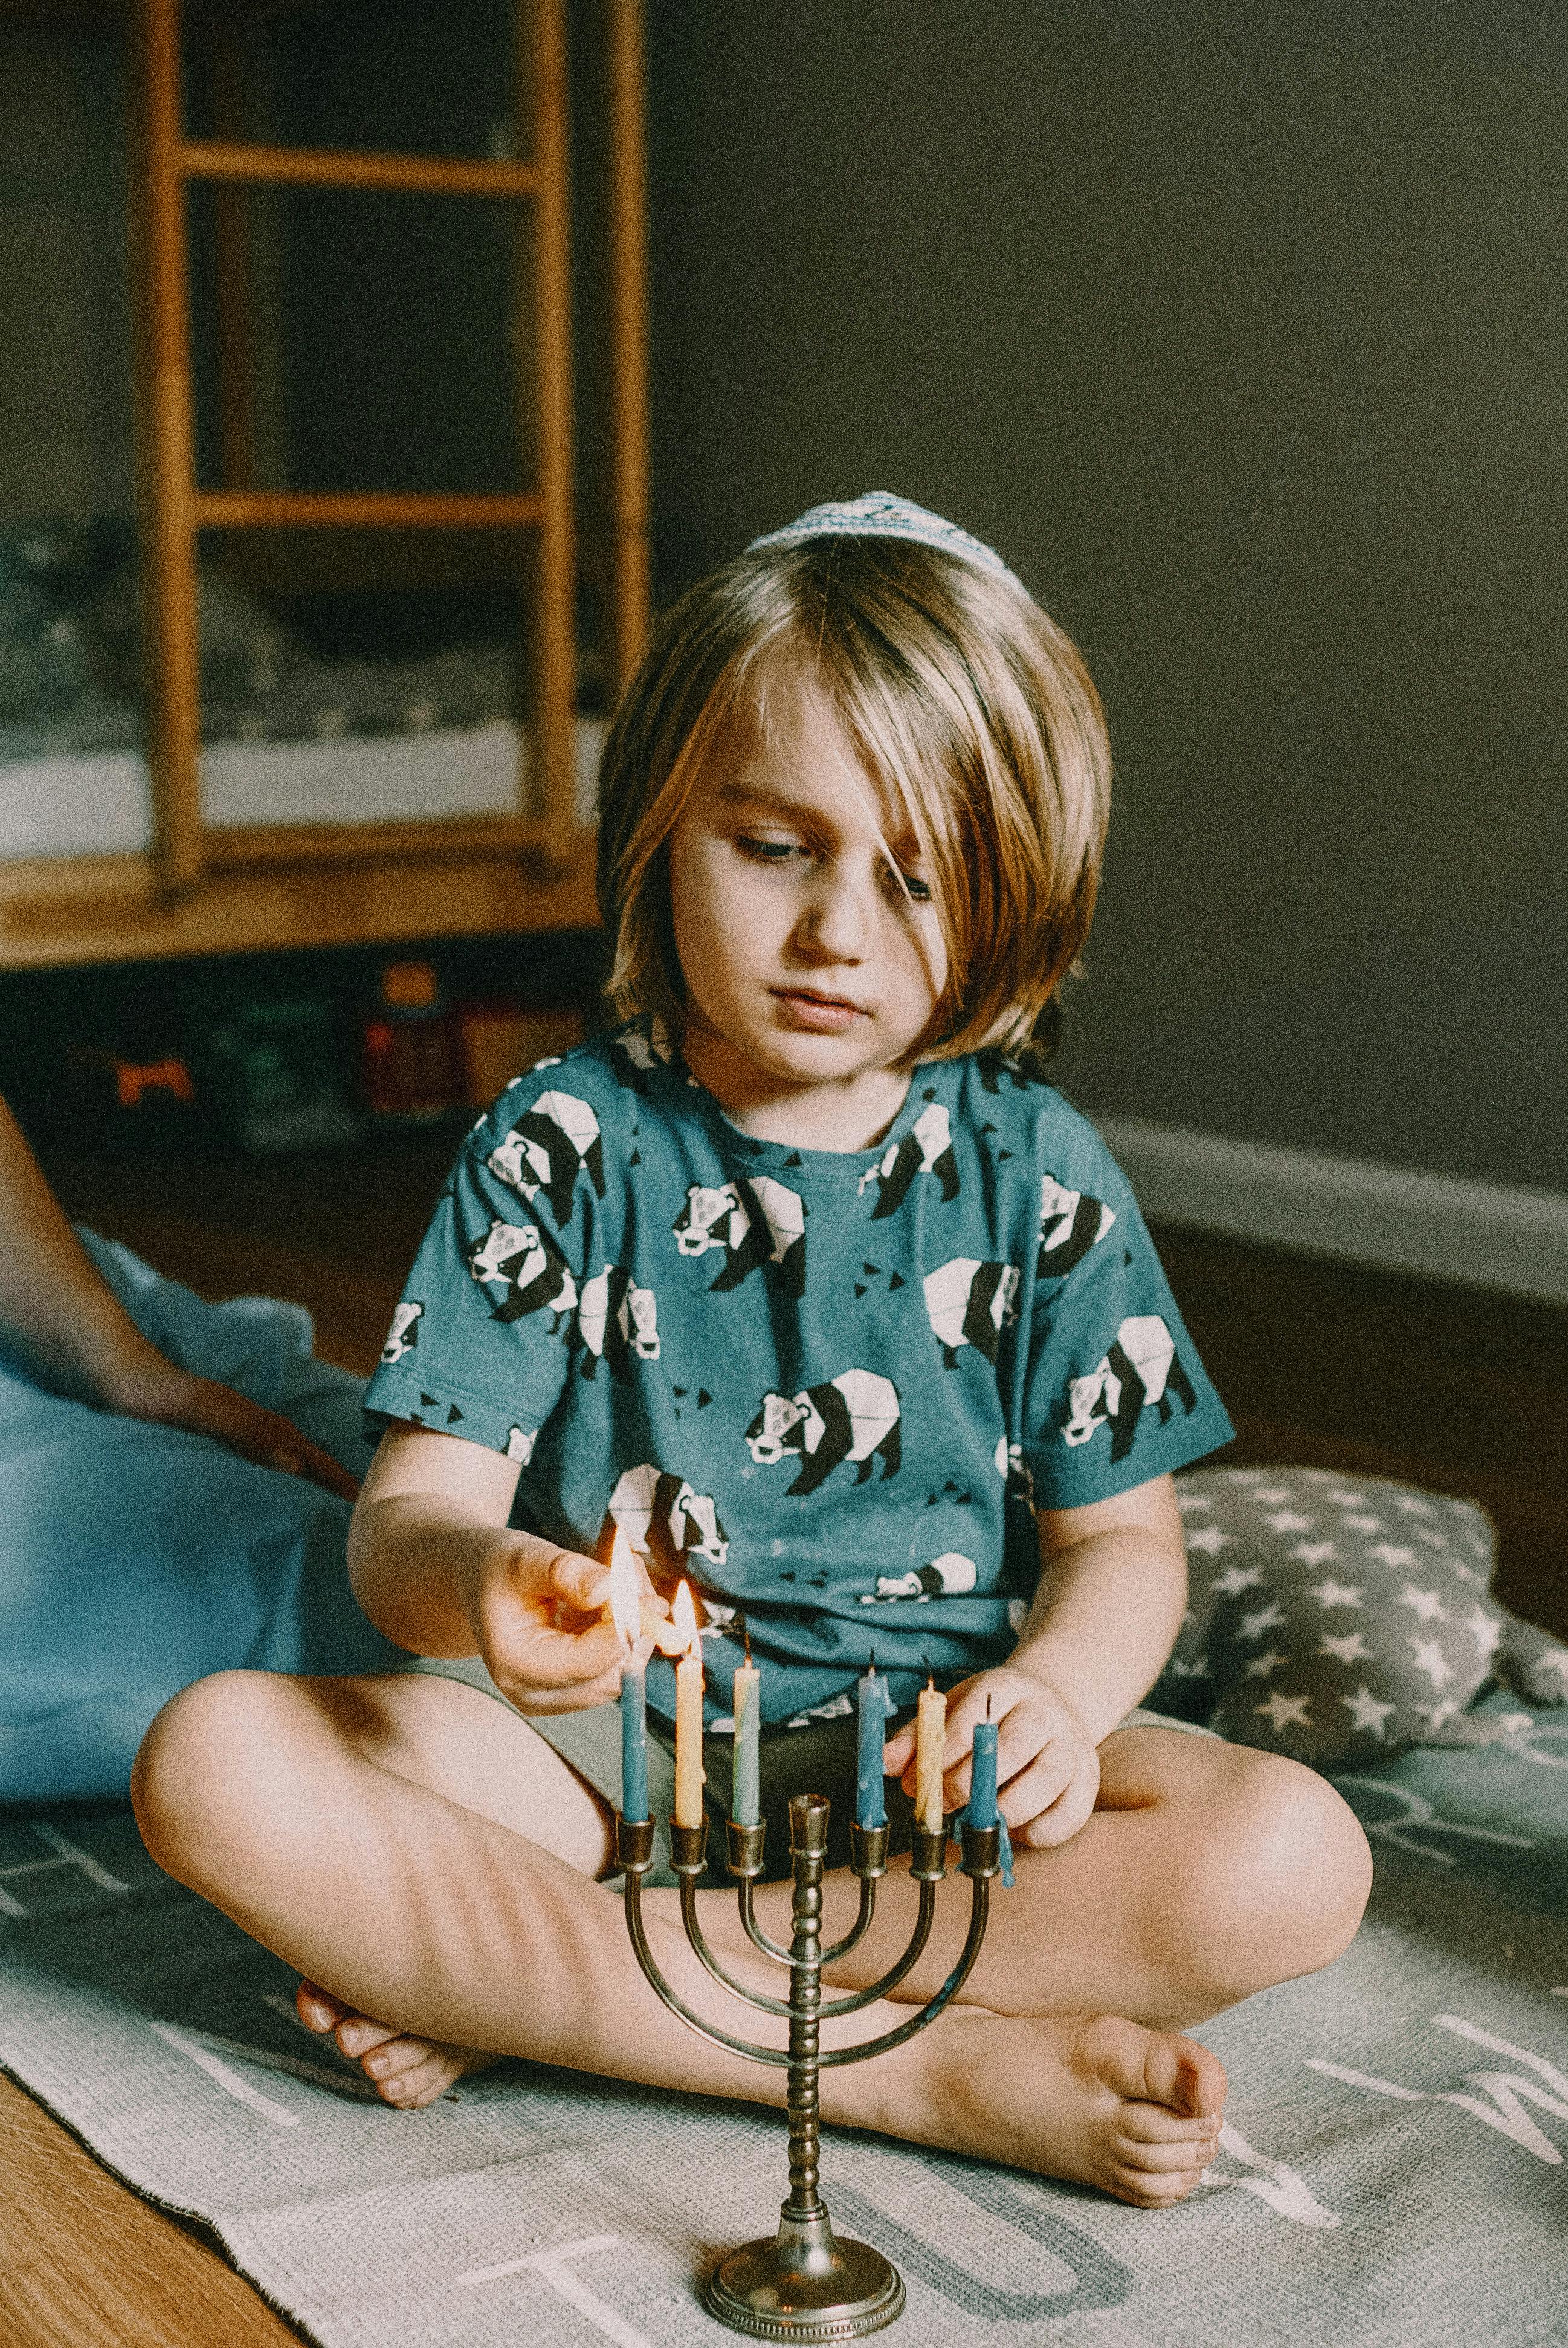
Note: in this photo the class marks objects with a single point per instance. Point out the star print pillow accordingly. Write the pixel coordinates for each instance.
(1332, 1617)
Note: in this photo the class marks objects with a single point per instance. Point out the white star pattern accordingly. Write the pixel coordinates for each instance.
(1387, 1554)
(1371, 1713)
(1269, 1618)
(1346, 1499)
(1272, 1496)
(1362, 1525)
(1467, 1573)
(1314, 1552)
(1209, 1539)
(1430, 1659)
(1432, 1540)
(1188, 1502)
(1351, 1649)
(1201, 1670)
(1234, 1580)
(1261, 1666)
(1329, 1593)
(1285, 1520)
(1286, 1711)
(1411, 1507)
(1427, 1604)
(1555, 1658)
(1435, 1714)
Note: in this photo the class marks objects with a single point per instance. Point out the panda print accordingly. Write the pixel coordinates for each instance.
(1015, 1471)
(948, 1576)
(404, 1334)
(618, 1323)
(547, 1149)
(853, 1416)
(519, 1444)
(750, 1223)
(524, 1262)
(969, 1303)
(1071, 1222)
(644, 1048)
(667, 1523)
(925, 1149)
(1140, 1371)
(993, 1068)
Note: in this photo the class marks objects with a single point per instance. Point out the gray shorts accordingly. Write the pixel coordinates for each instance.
(819, 1758)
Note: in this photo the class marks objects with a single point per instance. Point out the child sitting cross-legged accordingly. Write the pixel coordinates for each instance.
(808, 1281)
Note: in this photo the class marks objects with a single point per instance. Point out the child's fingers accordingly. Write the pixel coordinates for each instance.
(899, 1752)
(1059, 1820)
(545, 1702)
(579, 1581)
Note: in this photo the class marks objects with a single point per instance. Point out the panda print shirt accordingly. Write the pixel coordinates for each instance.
(827, 1388)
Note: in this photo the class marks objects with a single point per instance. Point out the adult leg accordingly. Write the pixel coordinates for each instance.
(409, 1844)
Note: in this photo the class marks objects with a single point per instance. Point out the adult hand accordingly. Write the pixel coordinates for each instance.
(1048, 1767)
(173, 1397)
(539, 1613)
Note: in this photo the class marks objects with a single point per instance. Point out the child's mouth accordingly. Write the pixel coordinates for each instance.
(824, 1014)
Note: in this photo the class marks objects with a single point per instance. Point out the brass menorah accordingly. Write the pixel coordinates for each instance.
(803, 2283)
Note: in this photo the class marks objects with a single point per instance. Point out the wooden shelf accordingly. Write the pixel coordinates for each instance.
(242, 163)
(364, 509)
(376, 889)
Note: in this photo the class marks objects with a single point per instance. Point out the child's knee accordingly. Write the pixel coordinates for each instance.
(1284, 1871)
(197, 1767)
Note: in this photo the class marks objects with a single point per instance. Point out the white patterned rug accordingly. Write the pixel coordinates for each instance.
(1392, 2174)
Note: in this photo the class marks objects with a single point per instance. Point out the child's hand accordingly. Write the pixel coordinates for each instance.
(1048, 1769)
(539, 1616)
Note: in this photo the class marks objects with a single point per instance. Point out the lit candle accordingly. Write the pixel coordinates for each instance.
(626, 1612)
(982, 1809)
(870, 1810)
(745, 1801)
(688, 1713)
(930, 1739)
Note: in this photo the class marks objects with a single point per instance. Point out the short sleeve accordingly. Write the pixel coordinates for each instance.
(478, 1347)
(1114, 1393)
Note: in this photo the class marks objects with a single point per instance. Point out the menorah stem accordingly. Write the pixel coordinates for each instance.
(808, 1842)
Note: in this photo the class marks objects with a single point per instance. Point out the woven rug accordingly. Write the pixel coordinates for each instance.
(1392, 2173)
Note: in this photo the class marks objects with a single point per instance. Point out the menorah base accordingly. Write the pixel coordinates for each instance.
(805, 2285)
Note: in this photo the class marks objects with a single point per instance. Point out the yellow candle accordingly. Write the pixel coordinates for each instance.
(930, 1740)
(688, 1714)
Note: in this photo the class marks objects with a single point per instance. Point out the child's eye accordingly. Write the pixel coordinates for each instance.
(767, 852)
(919, 891)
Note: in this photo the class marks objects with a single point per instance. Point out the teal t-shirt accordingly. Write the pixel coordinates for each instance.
(829, 1388)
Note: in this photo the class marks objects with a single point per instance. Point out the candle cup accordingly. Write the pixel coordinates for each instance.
(929, 1855)
(869, 1852)
(746, 1848)
(633, 1845)
(688, 1849)
(982, 1850)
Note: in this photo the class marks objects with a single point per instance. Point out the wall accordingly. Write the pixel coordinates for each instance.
(1242, 331)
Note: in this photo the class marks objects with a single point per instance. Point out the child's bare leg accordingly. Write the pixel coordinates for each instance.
(414, 1901)
(1208, 1871)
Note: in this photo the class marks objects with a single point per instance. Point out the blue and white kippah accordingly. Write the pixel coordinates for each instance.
(878, 514)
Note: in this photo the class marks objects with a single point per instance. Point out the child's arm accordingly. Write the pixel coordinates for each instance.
(1113, 1587)
(435, 1565)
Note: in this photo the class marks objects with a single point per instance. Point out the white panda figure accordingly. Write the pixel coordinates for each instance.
(404, 1334)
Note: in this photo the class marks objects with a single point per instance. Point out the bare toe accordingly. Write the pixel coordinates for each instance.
(1184, 2075)
(317, 2009)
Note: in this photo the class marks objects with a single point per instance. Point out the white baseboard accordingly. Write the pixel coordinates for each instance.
(1482, 1234)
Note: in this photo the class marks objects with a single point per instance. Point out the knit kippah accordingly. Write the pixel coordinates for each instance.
(878, 514)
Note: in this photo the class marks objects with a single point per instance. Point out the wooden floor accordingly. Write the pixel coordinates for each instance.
(1319, 1364)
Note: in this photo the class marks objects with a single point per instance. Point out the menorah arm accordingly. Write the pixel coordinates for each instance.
(776, 2055)
(895, 1973)
(699, 1941)
(861, 1926)
(943, 1999)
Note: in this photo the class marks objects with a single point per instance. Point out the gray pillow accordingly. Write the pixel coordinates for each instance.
(1333, 1617)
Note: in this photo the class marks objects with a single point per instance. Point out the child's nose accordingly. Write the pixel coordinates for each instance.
(834, 923)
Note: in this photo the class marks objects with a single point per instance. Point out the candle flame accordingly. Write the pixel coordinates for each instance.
(625, 1601)
(683, 1616)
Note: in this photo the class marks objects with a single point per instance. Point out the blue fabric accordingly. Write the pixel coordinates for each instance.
(828, 1388)
(134, 1558)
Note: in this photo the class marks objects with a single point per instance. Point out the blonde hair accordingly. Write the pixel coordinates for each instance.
(961, 696)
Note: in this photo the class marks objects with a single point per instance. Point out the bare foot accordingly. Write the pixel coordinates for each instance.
(405, 2072)
(1091, 2098)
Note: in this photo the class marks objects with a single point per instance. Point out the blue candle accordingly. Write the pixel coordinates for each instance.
(982, 1809)
(870, 1810)
(634, 1744)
